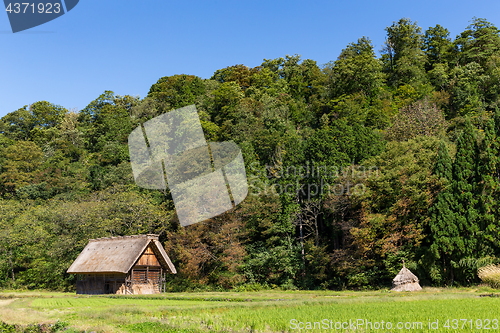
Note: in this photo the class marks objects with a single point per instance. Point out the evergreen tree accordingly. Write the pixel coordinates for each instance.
(454, 216)
(465, 192)
(496, 118)
(443, 168)
(444, 230)
(490, 188)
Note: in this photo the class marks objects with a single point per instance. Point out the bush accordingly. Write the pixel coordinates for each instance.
(255, 286)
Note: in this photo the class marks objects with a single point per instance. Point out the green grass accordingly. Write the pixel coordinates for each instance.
(64, 303)
(157, 328)
(265, 311)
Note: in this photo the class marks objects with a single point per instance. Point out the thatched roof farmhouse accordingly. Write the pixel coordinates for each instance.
(122, 265)
(405, 281)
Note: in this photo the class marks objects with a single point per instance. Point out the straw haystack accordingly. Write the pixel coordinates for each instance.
(405, 281)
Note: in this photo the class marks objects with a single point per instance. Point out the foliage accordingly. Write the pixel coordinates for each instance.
(418, 119)
(176, 91)
(39, 328)
(355, 71)
(352, 166)
(403, 57)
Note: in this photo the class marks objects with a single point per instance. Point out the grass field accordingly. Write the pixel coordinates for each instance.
(430, 310)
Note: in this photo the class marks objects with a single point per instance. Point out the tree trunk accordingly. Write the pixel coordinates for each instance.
(302, 246)
(301, 239)
(317, 231)
(11, 266)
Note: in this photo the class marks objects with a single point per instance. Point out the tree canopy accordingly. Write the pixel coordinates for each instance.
(352, 166)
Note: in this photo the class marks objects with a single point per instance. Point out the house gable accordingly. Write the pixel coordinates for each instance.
(120, 254)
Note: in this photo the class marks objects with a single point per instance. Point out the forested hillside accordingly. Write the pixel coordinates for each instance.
(352, 166)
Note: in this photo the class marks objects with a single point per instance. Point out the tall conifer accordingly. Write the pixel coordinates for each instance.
(465, 192)
(490, 189)
(444, 231)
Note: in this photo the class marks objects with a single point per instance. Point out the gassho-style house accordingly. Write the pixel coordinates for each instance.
(122, 265)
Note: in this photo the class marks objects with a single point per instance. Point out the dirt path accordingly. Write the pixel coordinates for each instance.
(5, 302)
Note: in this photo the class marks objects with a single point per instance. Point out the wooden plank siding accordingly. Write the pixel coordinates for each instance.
(145, 274)
(148, 258)
(100, 283)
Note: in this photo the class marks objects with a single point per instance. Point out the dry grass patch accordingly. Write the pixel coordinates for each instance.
(490, 275)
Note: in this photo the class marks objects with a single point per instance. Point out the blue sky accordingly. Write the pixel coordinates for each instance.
(126, 46)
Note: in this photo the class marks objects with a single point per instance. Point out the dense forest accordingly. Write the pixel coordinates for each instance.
(352, 167)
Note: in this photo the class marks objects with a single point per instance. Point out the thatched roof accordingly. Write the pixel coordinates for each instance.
(117, 254)
(405, 281)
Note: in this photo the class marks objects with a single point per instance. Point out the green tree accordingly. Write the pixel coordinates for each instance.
(390, 216)
(465, 192)
(18, 125)
(225, 100)
(489, 170)
(444, 232)
(331, 146)
(46, 114)
(240, 74)
(21, 161)
(468, 90)
(9, 240)
(437, 46)
(478, 43)
(105, 122)
(304, 79)
(37, 122)
(402, 54)
(357, 70)
(173, 92)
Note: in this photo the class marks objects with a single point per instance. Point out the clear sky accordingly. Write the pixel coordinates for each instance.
(126, 46)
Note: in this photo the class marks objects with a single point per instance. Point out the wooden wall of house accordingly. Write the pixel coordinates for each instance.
(148, 258)
(146, 274)
(95, 284)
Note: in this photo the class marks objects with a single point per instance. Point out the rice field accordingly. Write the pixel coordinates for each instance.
(431, 310)
(101, 302)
